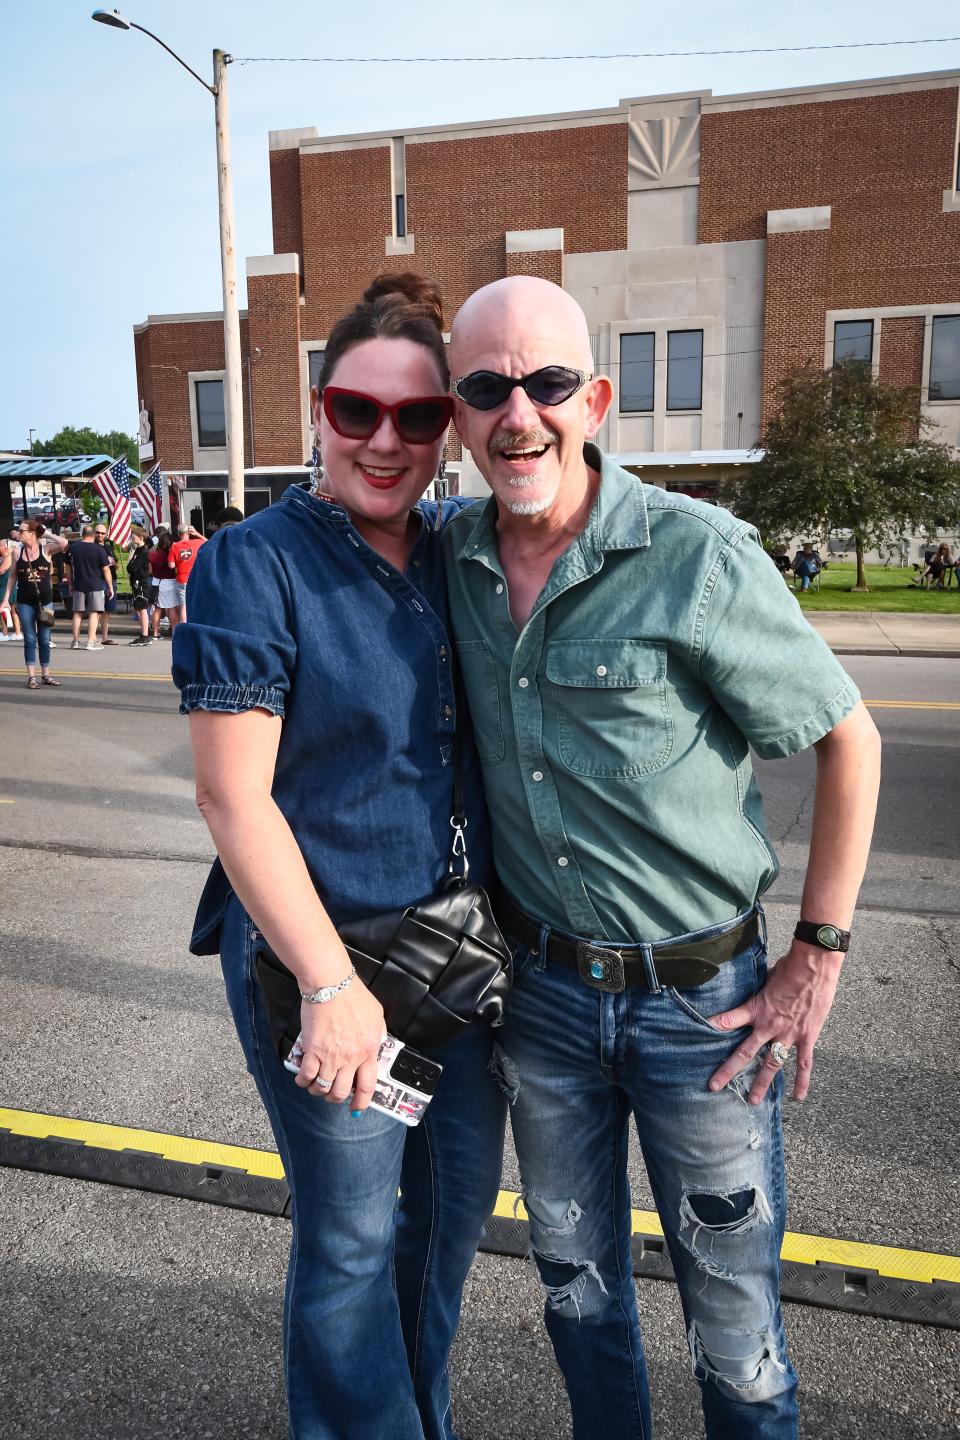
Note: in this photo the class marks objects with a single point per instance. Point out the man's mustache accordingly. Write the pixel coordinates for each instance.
(521, 440)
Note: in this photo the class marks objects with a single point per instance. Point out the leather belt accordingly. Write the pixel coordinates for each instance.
(608, 968)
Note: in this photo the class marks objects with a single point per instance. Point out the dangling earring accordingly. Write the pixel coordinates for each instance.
(317, 461)
(440, 489)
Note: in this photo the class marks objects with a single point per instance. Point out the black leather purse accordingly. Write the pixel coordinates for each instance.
(435, 967)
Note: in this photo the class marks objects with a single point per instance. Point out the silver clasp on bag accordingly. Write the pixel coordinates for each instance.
(459, 847)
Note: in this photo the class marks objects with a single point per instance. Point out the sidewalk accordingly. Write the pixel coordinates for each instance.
(874, 632)
(865, 632)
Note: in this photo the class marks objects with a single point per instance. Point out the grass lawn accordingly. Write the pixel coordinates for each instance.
(890, 590)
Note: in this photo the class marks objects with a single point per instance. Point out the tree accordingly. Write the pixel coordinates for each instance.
(71, 441)
(847, 452)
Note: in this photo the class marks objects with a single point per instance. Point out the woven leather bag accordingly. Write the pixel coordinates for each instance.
(436, 966)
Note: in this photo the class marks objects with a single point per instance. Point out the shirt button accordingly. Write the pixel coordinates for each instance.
(601, 669)
(538, 775)
(443, 652)
(523, 682)
(562, 861)
(499, 589)
(447, 712)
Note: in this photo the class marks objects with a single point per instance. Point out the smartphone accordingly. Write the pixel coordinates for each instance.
(406, 1080)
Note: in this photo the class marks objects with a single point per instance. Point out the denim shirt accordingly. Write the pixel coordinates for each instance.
(293, 613)
(614, 728)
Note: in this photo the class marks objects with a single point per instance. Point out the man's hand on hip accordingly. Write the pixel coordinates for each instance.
(792, 1008)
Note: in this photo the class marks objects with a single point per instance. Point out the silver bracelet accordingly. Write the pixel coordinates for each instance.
(327, 992)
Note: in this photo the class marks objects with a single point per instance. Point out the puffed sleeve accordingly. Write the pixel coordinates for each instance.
(237, 649)
(765, 665)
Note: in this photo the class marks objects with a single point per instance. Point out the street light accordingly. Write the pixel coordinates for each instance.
(233, 391)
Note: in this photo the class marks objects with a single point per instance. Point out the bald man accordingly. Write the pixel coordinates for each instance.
(622, 647)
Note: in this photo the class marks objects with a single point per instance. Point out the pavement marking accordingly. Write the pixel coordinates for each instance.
(100, 675)
(891, 1261)
(168, 680)
(912, 704)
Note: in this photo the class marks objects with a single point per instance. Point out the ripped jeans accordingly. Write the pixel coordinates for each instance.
(576, 1064)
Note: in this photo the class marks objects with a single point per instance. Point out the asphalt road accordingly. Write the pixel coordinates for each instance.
(128, 1314)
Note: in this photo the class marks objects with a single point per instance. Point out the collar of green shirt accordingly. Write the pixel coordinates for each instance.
(617, 521)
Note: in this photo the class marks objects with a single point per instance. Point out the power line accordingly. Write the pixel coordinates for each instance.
(616, 55)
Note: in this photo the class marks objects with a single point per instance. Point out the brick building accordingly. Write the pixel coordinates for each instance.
(715, 243)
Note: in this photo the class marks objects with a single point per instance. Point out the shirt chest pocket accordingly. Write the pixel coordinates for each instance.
(610, 701)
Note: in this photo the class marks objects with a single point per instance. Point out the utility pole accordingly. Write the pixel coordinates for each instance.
(233, 382)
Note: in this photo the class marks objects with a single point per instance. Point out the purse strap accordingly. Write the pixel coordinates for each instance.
(458, 820)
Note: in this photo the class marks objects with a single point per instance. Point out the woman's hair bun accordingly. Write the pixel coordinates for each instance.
(410, 288)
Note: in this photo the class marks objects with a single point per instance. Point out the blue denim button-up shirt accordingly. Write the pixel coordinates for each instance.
(293, 613)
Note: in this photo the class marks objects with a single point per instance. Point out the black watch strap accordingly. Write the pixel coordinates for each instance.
(828, 937)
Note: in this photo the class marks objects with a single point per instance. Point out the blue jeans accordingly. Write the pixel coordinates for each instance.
(577, 1064)
(373, 1286)
(32, 634)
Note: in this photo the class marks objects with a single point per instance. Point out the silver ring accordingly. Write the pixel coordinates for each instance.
(323, 1084)
(779, 1052)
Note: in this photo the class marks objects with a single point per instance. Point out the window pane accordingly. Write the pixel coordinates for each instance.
(636, 372)
(685, 370)
(211, 425)
(945, 358)
(316, 365)
(853, 340)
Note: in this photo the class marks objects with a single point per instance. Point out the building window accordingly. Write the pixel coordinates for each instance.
(398, 185)
(316, 365)
(636, 372)
(853, 340)
(211, 423)
(945, 358)
(685, 370)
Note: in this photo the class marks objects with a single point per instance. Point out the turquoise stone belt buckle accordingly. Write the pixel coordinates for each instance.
(599, 968)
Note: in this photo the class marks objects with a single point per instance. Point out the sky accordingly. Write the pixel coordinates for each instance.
(107, 152)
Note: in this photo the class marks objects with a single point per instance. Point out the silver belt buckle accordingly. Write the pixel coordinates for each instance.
(599, 968)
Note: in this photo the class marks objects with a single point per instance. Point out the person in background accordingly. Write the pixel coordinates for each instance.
(138, 569)
(102, 536)
(6, 614)
(169, 594)
(229, 515)
(158, 573)
(182, 554)
(90, 584)
(32, 569)
(806, 565)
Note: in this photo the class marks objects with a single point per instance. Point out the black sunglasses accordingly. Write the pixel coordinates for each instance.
(486, 389)
(356, 416)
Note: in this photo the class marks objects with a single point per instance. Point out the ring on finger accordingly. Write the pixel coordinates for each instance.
(779, 1053)
(323, 1084)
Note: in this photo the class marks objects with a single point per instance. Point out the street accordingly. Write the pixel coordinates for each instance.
(130, 1314)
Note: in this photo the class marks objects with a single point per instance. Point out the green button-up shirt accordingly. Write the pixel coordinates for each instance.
(614, 728)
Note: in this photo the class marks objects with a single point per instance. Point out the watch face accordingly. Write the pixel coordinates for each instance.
(829, 937)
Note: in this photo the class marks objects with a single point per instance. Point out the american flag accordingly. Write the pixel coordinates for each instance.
(113, 487)
(149, 496)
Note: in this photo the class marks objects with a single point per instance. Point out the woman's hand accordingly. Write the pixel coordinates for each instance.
(341, 1043)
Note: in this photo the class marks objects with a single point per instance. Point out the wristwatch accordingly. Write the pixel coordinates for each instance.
(828, 937)
(327, 992)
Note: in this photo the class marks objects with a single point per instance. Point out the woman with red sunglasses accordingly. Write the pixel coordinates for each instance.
(316, 670)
